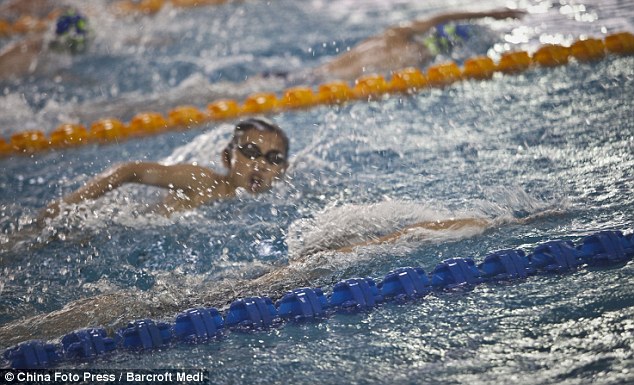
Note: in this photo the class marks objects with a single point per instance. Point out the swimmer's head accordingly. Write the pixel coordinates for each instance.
(72, 32)
(257, 154)
(445, 36)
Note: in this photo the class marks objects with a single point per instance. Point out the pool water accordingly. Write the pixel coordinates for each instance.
(557, 139)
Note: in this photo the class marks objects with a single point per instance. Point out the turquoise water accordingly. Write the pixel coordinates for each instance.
(557, 138)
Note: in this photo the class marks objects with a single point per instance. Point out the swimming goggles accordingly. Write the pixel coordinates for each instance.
(71, 32)
(252, 151)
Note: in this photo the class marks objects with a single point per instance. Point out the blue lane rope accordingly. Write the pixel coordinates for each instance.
(203, 324)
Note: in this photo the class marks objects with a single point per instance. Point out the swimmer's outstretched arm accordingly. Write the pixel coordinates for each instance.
(421, 26)
(447, 224)
(450, 224)
(175, 177)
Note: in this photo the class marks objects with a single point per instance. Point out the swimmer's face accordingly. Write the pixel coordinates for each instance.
(257, 160)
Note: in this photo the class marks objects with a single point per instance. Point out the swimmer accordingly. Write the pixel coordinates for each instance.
(255, 157)
(71, 34)
(414, 44)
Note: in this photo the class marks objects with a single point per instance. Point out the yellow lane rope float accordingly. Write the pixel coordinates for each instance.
(368, 87)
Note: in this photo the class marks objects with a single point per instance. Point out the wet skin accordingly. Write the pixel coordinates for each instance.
(191, 185)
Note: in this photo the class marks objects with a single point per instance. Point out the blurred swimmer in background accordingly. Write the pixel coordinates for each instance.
(412, 44)
(52, 27)
(70, 34)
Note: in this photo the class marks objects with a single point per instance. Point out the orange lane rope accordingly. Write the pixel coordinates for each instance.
(369, 87)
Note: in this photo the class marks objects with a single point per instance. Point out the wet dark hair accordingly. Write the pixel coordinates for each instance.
(259, 124)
